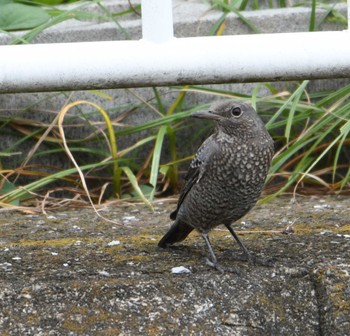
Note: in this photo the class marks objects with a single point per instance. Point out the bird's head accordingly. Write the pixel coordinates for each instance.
(235, 119)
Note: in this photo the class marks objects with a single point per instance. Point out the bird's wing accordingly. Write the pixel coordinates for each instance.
(195, 171)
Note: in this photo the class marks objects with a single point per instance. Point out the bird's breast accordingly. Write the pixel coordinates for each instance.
(229, 186)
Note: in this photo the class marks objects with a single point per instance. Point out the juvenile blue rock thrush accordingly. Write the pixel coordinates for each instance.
(226, 176)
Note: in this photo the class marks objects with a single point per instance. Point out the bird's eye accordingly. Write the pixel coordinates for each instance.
(236, 112)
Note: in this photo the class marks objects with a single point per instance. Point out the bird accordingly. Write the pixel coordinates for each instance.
(225, 178)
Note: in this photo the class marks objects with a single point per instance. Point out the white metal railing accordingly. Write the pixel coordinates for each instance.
(160, 59)
(157, 20)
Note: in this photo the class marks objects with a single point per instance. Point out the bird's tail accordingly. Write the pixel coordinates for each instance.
(178, 232)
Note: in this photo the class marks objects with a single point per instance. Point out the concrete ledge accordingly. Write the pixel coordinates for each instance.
(61, 275)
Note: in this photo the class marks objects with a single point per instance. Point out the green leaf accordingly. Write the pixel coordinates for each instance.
(23, 192)
(52, 2)
(133, 180)
(5, 154)
(312, 16)
(8, 187)
(14, 16)
(146, 190)
(156, 159)
(296, 95)
(164, 169)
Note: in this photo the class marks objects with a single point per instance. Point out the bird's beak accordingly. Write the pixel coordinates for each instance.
(206, 115)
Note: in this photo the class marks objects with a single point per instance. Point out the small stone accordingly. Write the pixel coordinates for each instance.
(31, 216)
(114, 243)
(343, 235)
(234, 320)
(321, 206)
(180, 269)
(326, 232)
(5, 265)
(104, 273)
(129, 218)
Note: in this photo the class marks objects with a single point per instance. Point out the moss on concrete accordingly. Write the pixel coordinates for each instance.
(60, 275)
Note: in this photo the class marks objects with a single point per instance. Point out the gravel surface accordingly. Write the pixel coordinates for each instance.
(72, 273)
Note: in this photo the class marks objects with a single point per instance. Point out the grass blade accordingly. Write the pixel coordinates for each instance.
(156, 159)
(133, 180)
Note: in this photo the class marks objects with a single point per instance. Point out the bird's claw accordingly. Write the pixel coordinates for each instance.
(253, 260)
(221, 268)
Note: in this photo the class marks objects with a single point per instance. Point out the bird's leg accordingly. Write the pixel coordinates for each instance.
(214, 262)
(211, 251)
(242, 246)
(247, 255)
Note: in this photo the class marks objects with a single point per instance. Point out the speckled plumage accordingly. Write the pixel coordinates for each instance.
(226, 177)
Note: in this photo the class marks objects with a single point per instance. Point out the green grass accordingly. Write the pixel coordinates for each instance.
(238, 7)
(311, 131)
(36, 16)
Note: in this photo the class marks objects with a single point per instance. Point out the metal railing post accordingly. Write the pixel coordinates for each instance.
(157, 20)
(348, 2)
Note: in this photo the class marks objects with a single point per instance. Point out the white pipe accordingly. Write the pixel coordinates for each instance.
(197, 60)
(348, 3)
(157, 20)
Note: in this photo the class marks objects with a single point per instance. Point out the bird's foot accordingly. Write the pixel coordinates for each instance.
(267, 262)
(221, 268)
(253, 260)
